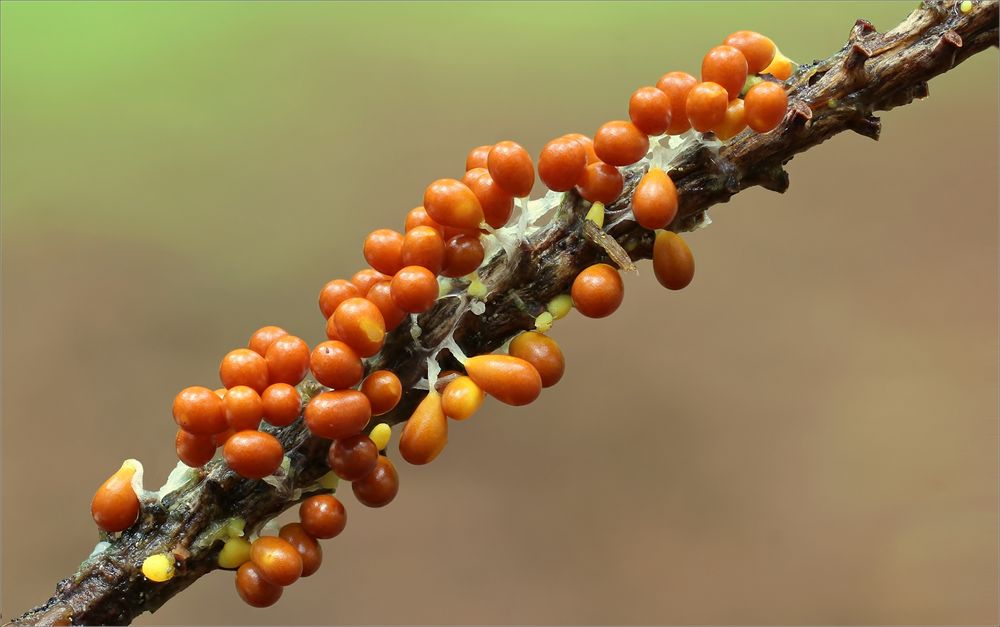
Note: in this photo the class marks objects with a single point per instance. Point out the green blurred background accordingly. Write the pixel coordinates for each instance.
(808, 434)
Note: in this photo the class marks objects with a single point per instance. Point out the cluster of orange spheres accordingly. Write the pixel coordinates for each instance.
(267, 565)
(442, 238)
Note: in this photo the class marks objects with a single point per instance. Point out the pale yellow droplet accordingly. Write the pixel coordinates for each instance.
(543, 322)
(476, 288)
(235, 552)
(560, 306)
(159, 567)
(966, 6)
(380, 435)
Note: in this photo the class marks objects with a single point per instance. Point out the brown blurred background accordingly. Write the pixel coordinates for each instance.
(808, 434)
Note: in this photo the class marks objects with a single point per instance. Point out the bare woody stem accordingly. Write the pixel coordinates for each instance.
(872, 72)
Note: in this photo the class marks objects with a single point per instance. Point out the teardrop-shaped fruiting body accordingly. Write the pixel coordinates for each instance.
(461, 398)
(673, 263)
(115, 506)
(508, 379)
(654, 202)
(542, 352)
(425, 434)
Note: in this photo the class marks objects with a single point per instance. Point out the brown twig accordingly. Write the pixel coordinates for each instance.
(872, 72)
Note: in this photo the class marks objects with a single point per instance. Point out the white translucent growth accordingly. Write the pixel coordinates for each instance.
(99, 548)
(703, 221)
(477, 307)
(279, 480)
(453, 346)
(433, 370)
(136, 481)
(180, 476)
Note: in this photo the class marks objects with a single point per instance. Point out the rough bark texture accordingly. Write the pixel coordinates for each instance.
(872, 72)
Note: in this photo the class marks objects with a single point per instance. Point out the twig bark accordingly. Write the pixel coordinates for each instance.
(872, 72)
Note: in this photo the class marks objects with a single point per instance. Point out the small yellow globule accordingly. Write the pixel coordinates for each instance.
(158, 568)
(476, 288)
(596, 214)
(235, 552)
(543, 322)
(560, 306)
(966, 6)
(380, 435)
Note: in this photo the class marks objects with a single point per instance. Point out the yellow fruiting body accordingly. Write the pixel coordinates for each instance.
(462, 398)
(476, 288)
(560, 306)
(966, 6)
(234, 529)
(596, 214)
(543, 322)
(781, 67)
(235, 552)
(158, 568)
(380, 435)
